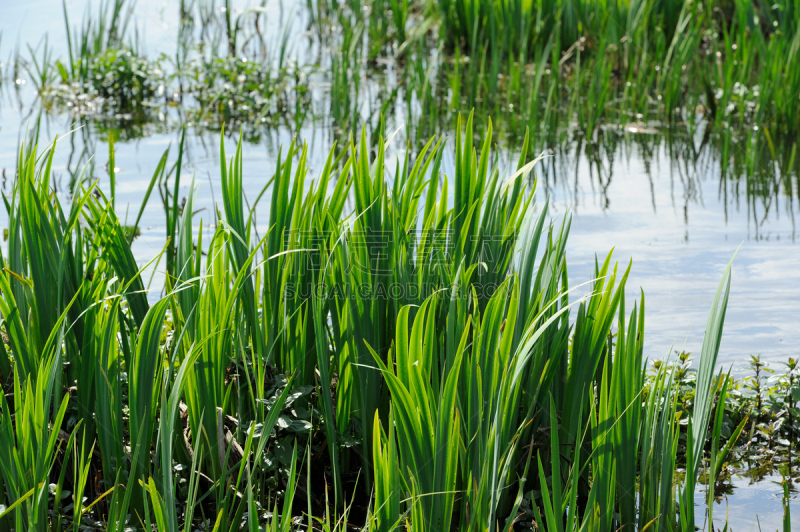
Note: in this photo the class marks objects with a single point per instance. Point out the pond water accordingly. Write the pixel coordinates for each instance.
(752, 506)
(679, 219)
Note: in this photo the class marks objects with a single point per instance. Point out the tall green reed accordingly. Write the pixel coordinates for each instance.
(430, 314)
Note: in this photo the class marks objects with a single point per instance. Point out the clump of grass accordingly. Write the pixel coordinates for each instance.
(237, 92)
(124, 79)
(117, 82)
(437, 370)
(105, 73)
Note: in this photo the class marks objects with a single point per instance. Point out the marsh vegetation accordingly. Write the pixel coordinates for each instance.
(373, 338)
